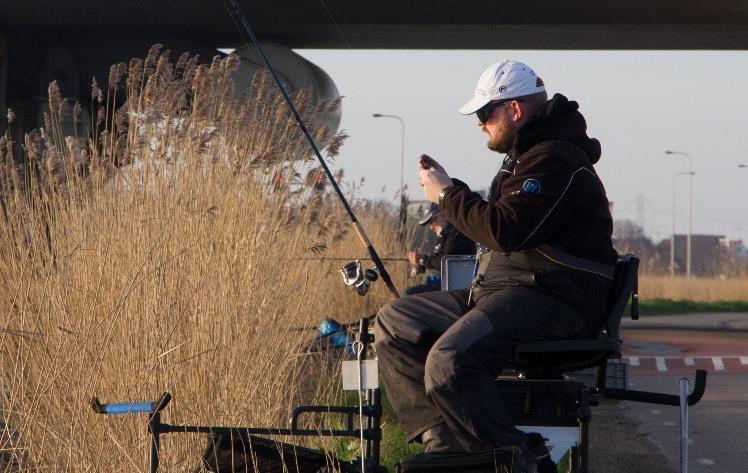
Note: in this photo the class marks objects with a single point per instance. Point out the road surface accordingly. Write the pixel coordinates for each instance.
(631, 437)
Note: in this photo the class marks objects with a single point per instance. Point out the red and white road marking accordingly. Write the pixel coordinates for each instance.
(722, 363)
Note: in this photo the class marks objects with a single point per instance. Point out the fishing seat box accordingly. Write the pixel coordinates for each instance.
(551, 403)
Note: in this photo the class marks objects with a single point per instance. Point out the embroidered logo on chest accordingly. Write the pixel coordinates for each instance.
(531, 186)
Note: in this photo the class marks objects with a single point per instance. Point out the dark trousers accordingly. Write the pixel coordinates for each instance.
(439, 358)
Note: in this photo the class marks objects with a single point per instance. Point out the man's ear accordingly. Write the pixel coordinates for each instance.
(518, 112)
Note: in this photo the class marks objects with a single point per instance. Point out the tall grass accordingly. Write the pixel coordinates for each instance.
(693, 289)
(166, 252)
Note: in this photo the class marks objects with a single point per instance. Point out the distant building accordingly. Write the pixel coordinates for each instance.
(735, 248)
(709, 254)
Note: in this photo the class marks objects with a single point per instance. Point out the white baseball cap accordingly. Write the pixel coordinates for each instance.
(501, 81)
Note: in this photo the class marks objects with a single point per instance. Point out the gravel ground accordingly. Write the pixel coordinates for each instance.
(619, 444)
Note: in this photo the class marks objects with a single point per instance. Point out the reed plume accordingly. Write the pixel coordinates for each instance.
(165, 252)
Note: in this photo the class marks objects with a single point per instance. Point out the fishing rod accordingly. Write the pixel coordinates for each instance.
(337, 258)
(248, 35)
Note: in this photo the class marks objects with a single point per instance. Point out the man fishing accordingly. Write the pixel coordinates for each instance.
(545, 270)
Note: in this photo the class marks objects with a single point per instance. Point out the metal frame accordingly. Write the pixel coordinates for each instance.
(371, 411)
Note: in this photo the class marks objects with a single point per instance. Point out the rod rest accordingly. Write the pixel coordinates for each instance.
(658, 398)
(372, 411)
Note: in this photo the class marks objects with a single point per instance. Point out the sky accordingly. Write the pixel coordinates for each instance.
(637, 103)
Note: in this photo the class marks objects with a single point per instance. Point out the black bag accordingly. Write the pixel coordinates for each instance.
(252, 454)
(495, 461)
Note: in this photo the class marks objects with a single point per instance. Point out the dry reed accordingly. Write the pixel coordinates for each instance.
(161, 253)
(694, 289)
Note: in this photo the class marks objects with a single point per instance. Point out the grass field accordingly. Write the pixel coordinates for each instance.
(685, 306)
(677, 295)
(179, 249)
(702, 289)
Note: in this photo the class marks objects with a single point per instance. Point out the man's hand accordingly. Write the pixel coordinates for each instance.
(416, 263)
(432, 177)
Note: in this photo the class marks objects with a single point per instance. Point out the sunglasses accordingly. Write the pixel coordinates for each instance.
(485, 112)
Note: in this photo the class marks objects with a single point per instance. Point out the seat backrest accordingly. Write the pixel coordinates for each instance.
(625, 287)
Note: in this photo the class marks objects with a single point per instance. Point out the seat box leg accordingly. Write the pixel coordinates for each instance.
(584, 446)
(573, 465)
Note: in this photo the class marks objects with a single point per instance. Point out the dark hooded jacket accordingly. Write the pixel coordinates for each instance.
(449, 242)
(547, 223)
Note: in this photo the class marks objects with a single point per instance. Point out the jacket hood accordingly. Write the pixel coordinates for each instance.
(558, 119)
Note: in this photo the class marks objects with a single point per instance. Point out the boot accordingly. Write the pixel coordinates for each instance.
(537, 449)
(439, 439)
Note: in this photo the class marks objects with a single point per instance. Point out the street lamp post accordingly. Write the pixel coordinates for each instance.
(690, 208)
(672, 235)
(402, 147)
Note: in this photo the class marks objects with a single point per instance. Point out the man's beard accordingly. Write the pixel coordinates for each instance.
(502, 145)
(504, 142)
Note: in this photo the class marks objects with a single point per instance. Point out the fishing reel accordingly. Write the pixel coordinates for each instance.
(358, 278)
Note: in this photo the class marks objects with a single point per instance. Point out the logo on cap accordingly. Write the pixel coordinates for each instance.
(502, 89)
(531, 186)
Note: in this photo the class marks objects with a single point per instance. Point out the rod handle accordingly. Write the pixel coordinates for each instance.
(361, 234)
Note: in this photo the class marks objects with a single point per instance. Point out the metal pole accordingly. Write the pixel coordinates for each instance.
(402, 147)
(690, 218)
(684, 425)
(402, 157)
(376, 397)
(690, 208)
(672, 236)
(154, 425)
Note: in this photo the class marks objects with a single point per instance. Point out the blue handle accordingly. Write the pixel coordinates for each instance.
(128, 407)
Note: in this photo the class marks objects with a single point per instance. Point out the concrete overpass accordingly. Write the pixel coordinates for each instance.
(71, 41)
(434, 24)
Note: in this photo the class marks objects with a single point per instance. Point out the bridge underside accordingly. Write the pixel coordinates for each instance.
(75, 40)
(433, 24)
